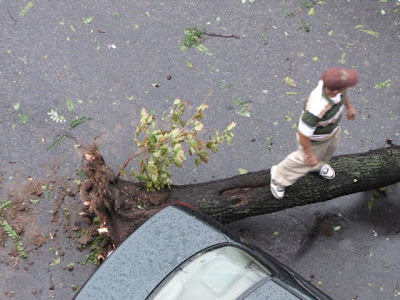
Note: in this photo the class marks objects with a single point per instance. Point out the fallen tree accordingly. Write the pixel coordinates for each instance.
(125, 205)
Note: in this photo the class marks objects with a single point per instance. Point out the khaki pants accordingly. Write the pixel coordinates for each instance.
(293, 166)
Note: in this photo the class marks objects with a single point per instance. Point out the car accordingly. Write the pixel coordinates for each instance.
(182, 254)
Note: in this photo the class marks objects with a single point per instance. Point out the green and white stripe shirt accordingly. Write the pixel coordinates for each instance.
(320, 118)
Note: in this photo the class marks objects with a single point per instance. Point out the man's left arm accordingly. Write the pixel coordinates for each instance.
(351, 111)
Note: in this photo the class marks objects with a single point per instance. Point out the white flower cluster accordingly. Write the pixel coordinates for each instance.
(56, 117)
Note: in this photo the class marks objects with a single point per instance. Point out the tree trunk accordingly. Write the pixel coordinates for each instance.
(124, 205)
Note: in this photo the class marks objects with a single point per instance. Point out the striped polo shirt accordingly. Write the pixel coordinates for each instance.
(320, 118)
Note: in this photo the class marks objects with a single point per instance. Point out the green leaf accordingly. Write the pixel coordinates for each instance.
(79, 121)
(276, 233)
(26, 9)
(56, 142)
(243, 112)
(177, 101)
(330, 32)
(346, 132)
(55, 262)
(242, 171)
(212, 146)
(336, 228)
(87, 20)
(70, 104)
(374, 33)
(343, 59)
(189, 64)
(288, 118)
(5, 205)
(23, 119)
(231, 126)
(289, 81)
(16, 106)
(291, 93)
(198, 126)
(311, 12)
(315, 58)
(385, 84)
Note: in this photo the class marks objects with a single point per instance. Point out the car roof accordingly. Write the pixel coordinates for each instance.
(147, 256)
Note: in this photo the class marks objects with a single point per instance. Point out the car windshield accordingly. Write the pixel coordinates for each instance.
(219, 273)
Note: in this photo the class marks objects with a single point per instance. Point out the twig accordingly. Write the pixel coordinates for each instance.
(220, 35)
(11, 16)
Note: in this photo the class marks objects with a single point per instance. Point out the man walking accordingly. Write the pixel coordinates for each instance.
(318, 132)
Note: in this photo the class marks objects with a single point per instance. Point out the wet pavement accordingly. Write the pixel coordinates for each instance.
(105, 60)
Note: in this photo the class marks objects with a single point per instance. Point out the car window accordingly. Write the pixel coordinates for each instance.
(219, 273)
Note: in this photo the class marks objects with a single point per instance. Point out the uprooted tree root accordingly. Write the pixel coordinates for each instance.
(121, 205)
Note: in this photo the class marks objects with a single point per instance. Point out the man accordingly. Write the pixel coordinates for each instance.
(318, 132)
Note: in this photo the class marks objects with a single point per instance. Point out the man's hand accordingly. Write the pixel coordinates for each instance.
(311, 159)
(351, 113)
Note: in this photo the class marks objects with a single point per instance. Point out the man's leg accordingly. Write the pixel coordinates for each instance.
(324, 153)
(291, 168)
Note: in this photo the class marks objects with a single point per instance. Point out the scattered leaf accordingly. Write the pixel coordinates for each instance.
(79, 121)
(330, 32)
(311, 12)
(343, 59)
(374, 33)
(55, 262)
(87, 20)
(58, 140)
(288, 118)
(23, 118)
(289, 81)
(346, 132)
(292, 93)
(56, 117)
(336, 228)
(70, 104)
(189, 64)
(26, 9)
(276, 233)
(242, 171)
(385, 84)
(315, 58)
(16, 106)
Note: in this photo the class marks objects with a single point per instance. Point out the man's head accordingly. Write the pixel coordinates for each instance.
(338, 79)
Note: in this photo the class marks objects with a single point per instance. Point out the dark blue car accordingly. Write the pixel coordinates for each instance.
(182, 254)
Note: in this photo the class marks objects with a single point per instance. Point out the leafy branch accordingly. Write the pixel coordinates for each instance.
(15, 237)
(4, 205)
(159, 149)
(193, 39)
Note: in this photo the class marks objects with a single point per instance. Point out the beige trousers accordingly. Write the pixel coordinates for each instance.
(293, 166)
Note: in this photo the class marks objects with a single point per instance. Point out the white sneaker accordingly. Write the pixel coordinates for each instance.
(277, 191)
(327, 172)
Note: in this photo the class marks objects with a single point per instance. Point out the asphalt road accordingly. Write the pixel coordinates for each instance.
(105, 60)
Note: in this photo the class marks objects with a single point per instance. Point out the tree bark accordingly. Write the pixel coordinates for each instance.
(124, 205)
